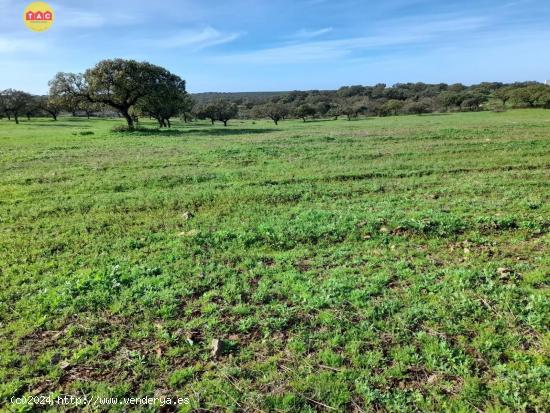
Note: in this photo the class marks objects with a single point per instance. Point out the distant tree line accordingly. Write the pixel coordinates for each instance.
(134, 89)
(255, 97)
(402, 98)
(378, 100)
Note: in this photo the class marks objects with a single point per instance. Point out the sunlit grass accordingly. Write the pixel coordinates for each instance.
(387, 264)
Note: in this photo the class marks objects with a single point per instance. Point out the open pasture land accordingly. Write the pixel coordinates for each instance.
(393, 264)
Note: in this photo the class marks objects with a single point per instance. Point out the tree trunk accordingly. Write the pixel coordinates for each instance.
(304, 119)
(129, 120)
(168, 123)
(16, 119)
(54, 116)
(212, 121)
(276, 121)
(224, 123)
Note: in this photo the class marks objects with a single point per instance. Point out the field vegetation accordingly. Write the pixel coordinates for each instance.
(393, 264)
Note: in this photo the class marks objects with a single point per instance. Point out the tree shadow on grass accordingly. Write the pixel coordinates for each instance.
(191, 132)
(318, 120)
(424, 115)
(229, 132)
(57, 125)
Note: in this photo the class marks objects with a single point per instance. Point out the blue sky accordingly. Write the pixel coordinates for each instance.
(246, 45)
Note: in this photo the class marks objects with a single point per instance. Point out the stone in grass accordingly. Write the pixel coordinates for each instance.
(190, 233)
(192, 337)
(507, 274)
(187, 215)
(221, 347)
(217, 347)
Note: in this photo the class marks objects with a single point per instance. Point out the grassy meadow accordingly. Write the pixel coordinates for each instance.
(394, 264)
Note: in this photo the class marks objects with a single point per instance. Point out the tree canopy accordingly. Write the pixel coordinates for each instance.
(121, 84)
(273, 111)
(15, 103)
(219, 110)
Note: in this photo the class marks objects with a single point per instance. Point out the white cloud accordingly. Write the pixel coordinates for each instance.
(86, 18)
(75, 18)
(319, 50)
(407, 32)
(16, 45)
(309, 34)
(196, 39)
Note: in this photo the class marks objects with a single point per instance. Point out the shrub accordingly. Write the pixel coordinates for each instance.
(121, 128)
(83, 132)
(125, 128)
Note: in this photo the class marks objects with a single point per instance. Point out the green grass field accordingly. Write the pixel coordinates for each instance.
(393, 264)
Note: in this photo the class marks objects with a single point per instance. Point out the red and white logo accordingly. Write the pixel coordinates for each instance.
(46, 15)
(38, 16)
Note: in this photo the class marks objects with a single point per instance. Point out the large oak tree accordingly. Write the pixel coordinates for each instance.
(117, 83)
(15, 103)
(273, 111)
